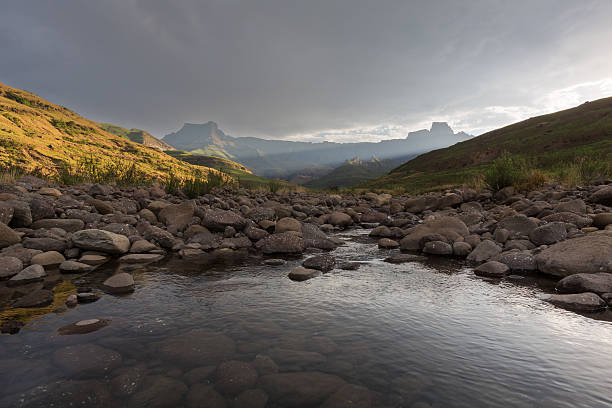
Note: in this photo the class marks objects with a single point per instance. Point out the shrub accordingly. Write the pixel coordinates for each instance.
(585, 170)
(275, 186)
(173, 184)
(505, 171)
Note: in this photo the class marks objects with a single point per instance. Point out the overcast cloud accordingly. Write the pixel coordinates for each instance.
(343, 70)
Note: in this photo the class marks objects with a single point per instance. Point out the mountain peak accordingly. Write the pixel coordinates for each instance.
(441, 127)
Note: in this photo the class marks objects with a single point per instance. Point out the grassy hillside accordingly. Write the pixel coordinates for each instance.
(137, 136)
(353, 172)
(36, 135)
(242, 174)
(552, 143)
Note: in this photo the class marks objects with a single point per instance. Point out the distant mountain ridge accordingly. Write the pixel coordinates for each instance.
(353, 172)
(281, 158)
(136, 135)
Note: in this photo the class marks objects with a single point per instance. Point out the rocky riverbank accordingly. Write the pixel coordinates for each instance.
(50, 233)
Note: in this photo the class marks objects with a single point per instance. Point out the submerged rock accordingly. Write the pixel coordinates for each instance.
(121, 282)
(300, 389)
(301, 274)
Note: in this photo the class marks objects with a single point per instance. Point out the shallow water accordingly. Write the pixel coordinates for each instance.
(413, 334)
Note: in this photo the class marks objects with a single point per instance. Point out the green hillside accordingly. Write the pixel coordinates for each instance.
(353, 172)
(136, 135)
(550, 142)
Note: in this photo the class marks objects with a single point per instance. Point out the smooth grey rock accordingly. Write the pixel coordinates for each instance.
(119, 283)
(32, 273)
(549, 233)
(74, 267)
(67, 224)
(301, 274)
(10, 266)
(100, 240)
(324, 263)
(588, 254)
(86, 360)
(492, 269)
(598, 283)
(234, 377)
(484, 251)
(581, 302)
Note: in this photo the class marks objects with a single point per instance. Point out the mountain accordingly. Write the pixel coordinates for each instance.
(137, 136)
(281, 158)
(550, 142)
(36, 134)
(353, 172)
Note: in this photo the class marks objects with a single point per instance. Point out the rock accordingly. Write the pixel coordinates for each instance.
(68, 393)
(103, 207)
(287, 224)
(438, 248)
(204, 396)
(67, 224)
(9, 267)
(87, 297)
(72, 300)
(602, 196)
(217, 220)
(142, 246)
(492, 269)
(338, 219)
(373, 217)
(119, 283)
(100, 240)
(324, 263)
(301, 274)
(254, 398)
(140, 258)
(155, 234)
(349, 266)
(86, 360)
(8, 237)
(45, 244)
(598, 283)
(403, 258)
(158, 391)
(83, 326)
(6, 213)
(264, 365)
(419, 204)
(234, 377)
(350, 396)
(49, 191)
(504, 194)
(517, 260)
(286, 242)
(38, 298)
(94, 259)
(22, 215)
(461, 249)
(588, 254)
(274, 262)
(450, 228)
(569, 218)
(127, 380)
(196, 348)
(49, 258)
(32, 273)
(300, 389)
(255, 234)
(177, 216)
(74, 267)
(11, 326)
(602, 220)
(484, 251)
(548, 234)
(575, 206)
(518, 224)
(386, 243)
(581, 302)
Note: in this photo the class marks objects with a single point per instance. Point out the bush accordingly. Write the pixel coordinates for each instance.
(585, 170)
(275, 186)
(505, 171)
(91, 170)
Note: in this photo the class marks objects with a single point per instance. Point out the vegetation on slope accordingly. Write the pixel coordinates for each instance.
(137, 136)
(353, 172)
(50, 140)
(572, 143)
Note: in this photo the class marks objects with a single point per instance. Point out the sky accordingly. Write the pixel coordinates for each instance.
(336, 70)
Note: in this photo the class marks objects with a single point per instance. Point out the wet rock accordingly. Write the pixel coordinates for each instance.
(324, 263)
(350, 396)
(204, 395)
(461, 249)
(285, 242)
(100, 240)
(582, 302)
(492, 269)
(8, 237)
(87, 297)
(199, 374)
(119, 283)
(287, 224)
(234, 377)
(403, 258)
(569, 218)
(438, 248)
(127, 380)
(83, 326)
(575, 206)
(301, 274)
(68, 393)
(94, 259)
(349, 266)
(449, 227)
(274, 262)
(386, 243)
(49, 258)
(602, 220)
(517, 260)
(32, 273)
(9, 267)
(264, 365)
(254, 398)
(588, 254)
(549, 233)
(140, 258)
(255, 234)
(300, 389)
(602, 196)
(196, 348)
(38, 298)
(86, 360)
(338, 219)
(11, 326)
(598, 283)
(484, 251)
(67, 224)
(158, 392)
(72, 300)
(518, 224)
(74, 267)
(217, 220)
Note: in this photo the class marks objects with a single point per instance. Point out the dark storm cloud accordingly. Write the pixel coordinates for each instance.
(281, 68)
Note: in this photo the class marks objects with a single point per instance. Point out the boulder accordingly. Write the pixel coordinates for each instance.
(598, 283)
(300, 389)
(119, 283)
(301, 274)
(602, 220)
(45, 244)
(83, 327)
(49, 258)
(196, 348)
(142, 246)
(8, 237)
(100, 240)
(386, 243)
(492, 269)
(461, 249)
(579, 302)
(9, 267)
(22, 214)
(549, 233)
(6, 213)
(86, 360)
(517, 260)
(338, 219)
(74, 267)
(254, 398)
(438, 248)
(217, 220)
(284, 243)
(589, 254)
(486, 250)
(569, 218)
(518, 224)
(602, 196)
(204, 395)
(449, 227)
(67, 224)
(176, 217)
(287, 224)
(576, 206)
(234, 377)
(158, 391)
(38, 298)
(324, 263)
(32, 273)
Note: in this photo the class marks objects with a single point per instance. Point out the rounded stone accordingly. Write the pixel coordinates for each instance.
(234, 377)
(48, 258)
(120, 283)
